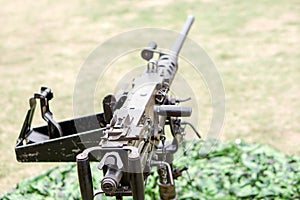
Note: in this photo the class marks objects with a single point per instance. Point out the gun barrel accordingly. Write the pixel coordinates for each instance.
(111, 180)
(181, 37)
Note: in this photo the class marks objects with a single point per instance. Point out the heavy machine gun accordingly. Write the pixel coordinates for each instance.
(128, 139)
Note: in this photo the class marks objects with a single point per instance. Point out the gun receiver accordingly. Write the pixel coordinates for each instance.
(128, 139)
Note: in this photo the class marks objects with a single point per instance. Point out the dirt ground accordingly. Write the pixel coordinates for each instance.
(255, 45)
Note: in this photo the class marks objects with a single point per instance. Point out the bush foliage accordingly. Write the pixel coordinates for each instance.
(229, 171)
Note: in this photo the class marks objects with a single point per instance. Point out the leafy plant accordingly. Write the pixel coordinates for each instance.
(229, 171)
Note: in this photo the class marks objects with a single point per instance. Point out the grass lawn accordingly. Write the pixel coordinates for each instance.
(255, 45)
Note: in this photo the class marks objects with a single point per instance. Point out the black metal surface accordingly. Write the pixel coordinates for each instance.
(127, 140)
(136, 177)
(85, 177)
(45, 95)
(173, 111)
(111, 180)
(35, 145)
(108, 103)
(181, 37)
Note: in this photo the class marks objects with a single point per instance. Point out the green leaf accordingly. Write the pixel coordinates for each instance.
(229, 171)
(246, 191)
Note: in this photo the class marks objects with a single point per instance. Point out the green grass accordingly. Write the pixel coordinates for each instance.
(255, 45)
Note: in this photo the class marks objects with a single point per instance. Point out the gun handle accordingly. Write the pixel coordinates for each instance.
(85, 176)
(136, 175)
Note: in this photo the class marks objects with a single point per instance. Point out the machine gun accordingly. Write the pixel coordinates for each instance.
(128, 139)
